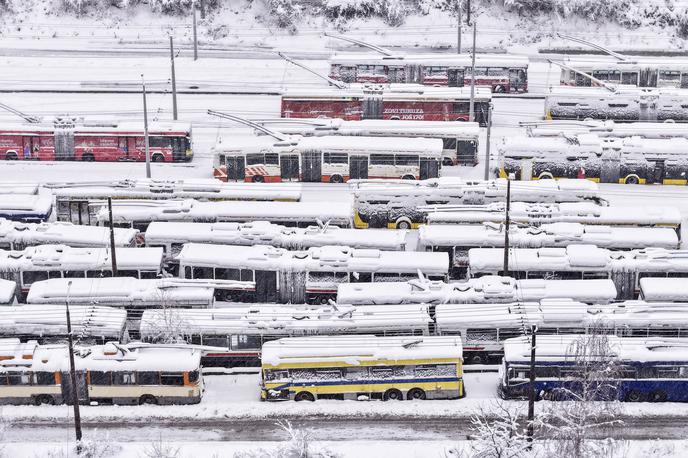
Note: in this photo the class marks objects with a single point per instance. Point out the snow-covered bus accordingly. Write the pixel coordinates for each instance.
(8, 292)
(487, 289)
(81, 201)
(17, 236)
(640, 71)
(27, 208)
(47, 323)
(400, 204)
(501, 72)
(625, 268)
(621, 104)
(329, 159)
(362, 367)
(130, 374)
(642, 369)
(139, 214)
(171, 236)
(447, 238)
(459, 140)
(308, 276)
(43, 262)
(665, 289)
(535, 214)
(605, 129)
(631, 160)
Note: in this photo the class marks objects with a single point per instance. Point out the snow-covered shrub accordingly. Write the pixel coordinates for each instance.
(160, 449)
(298, 446)
(98, 447)
(392, 11)
(284, 13)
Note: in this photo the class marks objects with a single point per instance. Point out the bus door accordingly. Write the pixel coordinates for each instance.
(467, 152)
(123, 146)
(358, 167)
(455, 77)
(266, 286)
(27, 151)
(311, 166)
(583, 80)
(236, 167)
(684, 80)
(396, 74)
(372, 105)
(610, 172)
(657, 175)
(79, 213)
(648, 77)
(64, 144)
(517, 79)
(289, 167)
(429, 168)
(81, 387)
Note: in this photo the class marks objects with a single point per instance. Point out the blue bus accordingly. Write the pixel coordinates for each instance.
(645, 369)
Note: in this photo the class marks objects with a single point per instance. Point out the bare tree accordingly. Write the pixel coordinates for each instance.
(297, 446)
(160, 449)
(169, 326)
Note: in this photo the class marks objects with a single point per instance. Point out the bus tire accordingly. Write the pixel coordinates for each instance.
(408, 177)
(336, 179)
(545, 176)
(415, 393)
(635, 396)
(258, 179)
(499, 89)
(657, 396)
(88, 157)
(477, 358)
(148, 399)
(11, 156)
(632, 179)
(158, 158)
(44, 399)
(392, 395)
(403, 223)
(304, 396)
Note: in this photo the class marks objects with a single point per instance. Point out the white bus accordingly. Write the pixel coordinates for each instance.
(447, 238)
(171, 236)
(487, 289)
(459, 141)
(80, 202)
(308, 276)
(535, 214)
(329, 159)
(26, 208)
(625, 268)
(664, 289)
(59, 261)
(669, 72)
(112, 373)
(17, 236)
(139, 214)
(47, 323)
(404, 204)
(605, 129)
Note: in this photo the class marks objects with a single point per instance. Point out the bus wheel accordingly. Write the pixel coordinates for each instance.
(403, 223)
(258, 179)
(477, 359)
(11, 156)
(415, 393)
(499, 89)
(408, 177)
(336, 179)
(88, 157)
(657, 396)
(632, 179)
(635, 396)
(304, 396)
(44, 399)
(392, 395)
(546, 176)
(148, 399)
(158, 158)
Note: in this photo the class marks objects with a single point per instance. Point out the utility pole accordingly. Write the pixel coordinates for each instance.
(174, 82)
(487, 145)
(145, 129)
(507, 221)
(112, 239)
(72, 375)
(202, 9)
(531, 388)
(458, 32)
(471, 106)
(195, 35)
(468, 11)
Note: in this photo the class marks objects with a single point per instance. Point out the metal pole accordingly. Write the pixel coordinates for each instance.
(468, 11)
(487, 146)
(145, 129)
(195, 35)
(72, 375)
(458, 32)
(507, 221)
(202, 9)
(174, 82)
(471, 110)
(112, 239)
(531, 391)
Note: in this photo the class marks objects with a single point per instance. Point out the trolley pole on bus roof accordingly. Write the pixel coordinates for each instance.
(471, 106)
(507, 221)
(487, 144)
(531, 388)
(195, 35)
(72, 374)
(112, 239)
(145, 129)
(458, 32)
(174, 82)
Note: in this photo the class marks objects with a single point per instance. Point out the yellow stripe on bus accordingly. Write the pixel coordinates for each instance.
(377, 362)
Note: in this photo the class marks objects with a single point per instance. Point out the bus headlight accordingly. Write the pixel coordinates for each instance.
(189, 152)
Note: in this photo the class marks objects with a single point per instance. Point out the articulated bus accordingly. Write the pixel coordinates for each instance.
(330, 159)
(112, 373)
(632, 160)
(625, 268)
(665, 129)
(400, 204)
(641, 71)
(501, 72)
(644, 370)
(362, 367)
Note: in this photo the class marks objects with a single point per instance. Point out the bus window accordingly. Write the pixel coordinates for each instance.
(148, 274)
(226, 274)
(461, 108)
(246, 275)
(101, 378)
(44, 378)
(172, 378)
(253, 159)
(243, 342)
(123, 378)
(98, 273)
(140, 226)
(216, 341)
(272, 158)
(335, 158)
(159, 142)
(629, 78)
(328, 374)
(187, 272)
(128, 273)
(667, 75)
(148, 378)
(381, 159)
(203, 272)
(449, 143)
(406, 159)
(31, 276)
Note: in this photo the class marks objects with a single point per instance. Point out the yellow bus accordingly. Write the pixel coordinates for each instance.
(362, 367)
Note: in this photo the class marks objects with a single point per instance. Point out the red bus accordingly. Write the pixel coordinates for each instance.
(395, 102)
(117, 141)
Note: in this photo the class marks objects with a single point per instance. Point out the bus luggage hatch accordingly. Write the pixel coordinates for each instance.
(358, 167)
(311, 166)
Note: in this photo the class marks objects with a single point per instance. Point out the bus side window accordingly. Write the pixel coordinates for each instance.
(253, 159)
(123, 378)
(246, 275)
(74, 274)
(44, 378)
(148, 274)
(171, 378)
(98, 273)
(128, 273)
(272, 158)
(203, 272)
(187, 272)
(101, 378)
(222, 273)
(148, 378)
(31, 276)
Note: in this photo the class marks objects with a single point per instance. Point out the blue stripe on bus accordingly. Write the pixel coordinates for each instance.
(367, 382)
